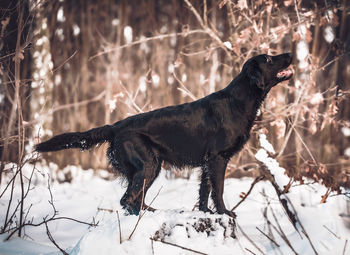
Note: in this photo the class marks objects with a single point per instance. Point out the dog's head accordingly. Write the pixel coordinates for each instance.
(266, 71)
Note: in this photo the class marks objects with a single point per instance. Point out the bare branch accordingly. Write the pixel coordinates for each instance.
(179, 246)
(157, 37)
(346, 242)
(250, 240)
(268, 237)
(183, 88)
(141, 206)
(53, 241)
(145, 209)
(257, 179)
(330, 231)
(120, 230)
(206, 28)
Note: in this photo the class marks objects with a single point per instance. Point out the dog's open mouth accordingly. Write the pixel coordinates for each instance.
(285, 74)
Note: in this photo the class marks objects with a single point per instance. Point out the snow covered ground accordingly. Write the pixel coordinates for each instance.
(175, 221)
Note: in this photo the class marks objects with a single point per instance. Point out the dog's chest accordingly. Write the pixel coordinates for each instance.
(235, 145)
(234, 134)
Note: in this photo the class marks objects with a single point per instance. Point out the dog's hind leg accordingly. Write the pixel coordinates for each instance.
(147, 207)
(204, 190)
(123, 200)
(141, 183)
(146, 166)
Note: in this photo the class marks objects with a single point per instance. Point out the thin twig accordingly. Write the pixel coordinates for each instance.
(346, 242)
(9, 219)
(141, 206)
(179, 246)
(148, 206)
(195, 13)
(265, 171)
(66, 106)
(278, 230)
(250, 251)
(10, 182)
(304, 144)
(332, 61)
(105, 209)
(296, 10)
(15, 229)
(205, 14)
(139, 110)
(268, 237)
(250, 240)
(302, 226)
(83, 102)
(281, 232)
(145, 210)
(298, 107)
(64, 62)
(257, 179)
(45, 219)
(120, 229)
(144, 40)
(325, 196)
(53, 241)
(206, 28)
(152, 246)
(184, 89)
(330, 231)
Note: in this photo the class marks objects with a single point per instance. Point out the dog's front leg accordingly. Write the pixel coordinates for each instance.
(216, 170)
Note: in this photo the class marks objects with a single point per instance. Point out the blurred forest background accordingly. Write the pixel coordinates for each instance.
(73, 65)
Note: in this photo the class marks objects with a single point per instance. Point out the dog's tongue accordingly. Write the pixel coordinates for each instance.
(284, 73)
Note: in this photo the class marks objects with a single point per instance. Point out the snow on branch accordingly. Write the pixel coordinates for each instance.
(272, 164)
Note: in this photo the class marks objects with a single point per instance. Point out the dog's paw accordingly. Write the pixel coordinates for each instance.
(205, 209)
(227, 212)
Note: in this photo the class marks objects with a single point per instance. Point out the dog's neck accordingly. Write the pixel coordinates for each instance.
(237, 89)
(247, 101)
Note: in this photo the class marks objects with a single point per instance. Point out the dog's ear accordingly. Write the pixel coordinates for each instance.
(255, 78)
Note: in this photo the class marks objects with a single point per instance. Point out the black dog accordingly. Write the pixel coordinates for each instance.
(204, 133)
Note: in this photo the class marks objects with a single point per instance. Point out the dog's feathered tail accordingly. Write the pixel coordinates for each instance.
(80, 140)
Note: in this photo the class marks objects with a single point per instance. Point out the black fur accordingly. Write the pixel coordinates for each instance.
(79, 140)
(204, 133)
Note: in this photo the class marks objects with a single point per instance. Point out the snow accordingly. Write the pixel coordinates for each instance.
(174, 221)
(143, 84)
(273, 166)
(302, 47)
(171, 68)
(346, 131)
(155, 80)
(328, 34)
(128, 34)
(60, 15)
(228, 45)
(76, 29)
(271, 163)
(347, 152)
(302, 53)
(115, 22)
(265, 143)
